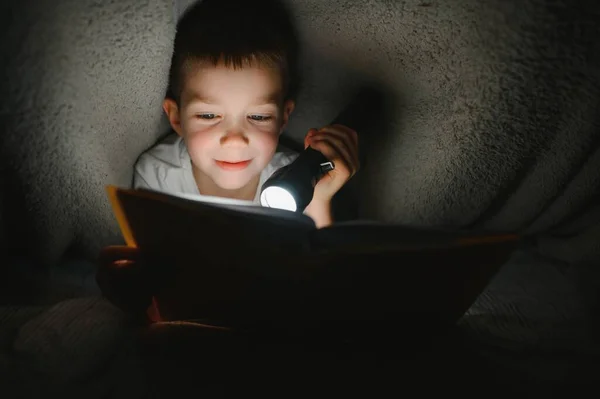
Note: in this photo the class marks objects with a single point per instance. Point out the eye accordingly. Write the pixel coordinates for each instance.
(260, 118)
(206, 116)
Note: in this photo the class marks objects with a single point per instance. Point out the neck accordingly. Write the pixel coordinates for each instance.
(206, 186)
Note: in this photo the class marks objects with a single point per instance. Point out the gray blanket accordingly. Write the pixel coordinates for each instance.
(491, 112)
(531, 326)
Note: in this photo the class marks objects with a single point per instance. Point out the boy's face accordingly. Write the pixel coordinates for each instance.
(231, 120)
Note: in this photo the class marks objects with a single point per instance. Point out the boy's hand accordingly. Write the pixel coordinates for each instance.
(120, 277)
(339, 144)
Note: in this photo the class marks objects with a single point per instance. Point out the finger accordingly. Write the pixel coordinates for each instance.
(326, 146)
(351, 132)
(343, 130)
(125, 287)
(311, 132)
(333, 147)
(338, 145)
(119, 256)
(335, 150)
(350, 139)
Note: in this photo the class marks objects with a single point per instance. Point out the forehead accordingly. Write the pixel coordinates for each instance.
(220, 83)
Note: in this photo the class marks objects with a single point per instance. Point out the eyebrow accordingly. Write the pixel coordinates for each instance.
(272, 98)
(202, 99)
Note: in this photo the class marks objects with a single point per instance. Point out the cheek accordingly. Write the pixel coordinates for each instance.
(198, 142)
(267, 144)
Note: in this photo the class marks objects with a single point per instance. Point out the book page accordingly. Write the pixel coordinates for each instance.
(164, 224)
(214, 259)
(236, 263)
(250, 208)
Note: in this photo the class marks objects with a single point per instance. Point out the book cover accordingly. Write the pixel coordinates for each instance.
(237, 263)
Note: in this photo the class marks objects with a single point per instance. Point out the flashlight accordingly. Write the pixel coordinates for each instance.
(291, 187)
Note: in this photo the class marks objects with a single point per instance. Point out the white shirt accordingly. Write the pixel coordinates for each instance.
(167, 167)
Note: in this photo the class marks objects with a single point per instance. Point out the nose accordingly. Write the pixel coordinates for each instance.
(234, 138)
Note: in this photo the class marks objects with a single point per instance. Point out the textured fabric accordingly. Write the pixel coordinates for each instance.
(84, 84)
(495, 119)
(491, 121)
(492, 111)
(167, 167)
(537, 317)
(78, 347)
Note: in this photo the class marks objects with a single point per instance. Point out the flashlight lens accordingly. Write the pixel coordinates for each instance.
(277, 197)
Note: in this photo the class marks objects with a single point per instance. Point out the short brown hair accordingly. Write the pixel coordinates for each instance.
(237, 33)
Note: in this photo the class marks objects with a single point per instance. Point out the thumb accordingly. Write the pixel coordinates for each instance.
(117, 254)
(120, 277)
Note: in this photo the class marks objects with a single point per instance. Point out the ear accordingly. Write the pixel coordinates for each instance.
(288, 108)
(172, 110)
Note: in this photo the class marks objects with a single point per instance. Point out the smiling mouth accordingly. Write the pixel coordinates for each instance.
(233, 166)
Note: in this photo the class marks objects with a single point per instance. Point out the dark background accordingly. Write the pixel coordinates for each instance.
(491, 122)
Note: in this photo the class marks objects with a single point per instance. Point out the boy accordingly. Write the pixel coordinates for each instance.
(232, 87)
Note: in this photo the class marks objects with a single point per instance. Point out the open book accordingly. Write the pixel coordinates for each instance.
(232, 260)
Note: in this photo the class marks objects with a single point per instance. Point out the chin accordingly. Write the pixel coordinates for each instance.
(231, 187)
(234, 180)
(232, 184)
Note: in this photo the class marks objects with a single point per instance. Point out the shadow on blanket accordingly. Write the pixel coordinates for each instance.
(523, 335)
(175, 358)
